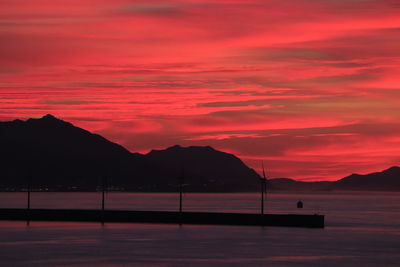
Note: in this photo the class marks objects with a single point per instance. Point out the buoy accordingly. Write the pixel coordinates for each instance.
(299, 204)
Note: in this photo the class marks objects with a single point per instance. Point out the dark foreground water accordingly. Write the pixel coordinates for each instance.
(362, 229)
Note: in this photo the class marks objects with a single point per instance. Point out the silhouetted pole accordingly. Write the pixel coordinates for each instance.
(263, 189)
(28, 204)
(181, 181)
(103, 197)
(262, 197)
(29, 194)
(180, 199)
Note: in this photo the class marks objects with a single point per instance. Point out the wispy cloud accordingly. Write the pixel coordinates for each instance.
(311, 87)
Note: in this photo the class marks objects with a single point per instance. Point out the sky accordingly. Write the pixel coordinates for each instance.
(309, 87)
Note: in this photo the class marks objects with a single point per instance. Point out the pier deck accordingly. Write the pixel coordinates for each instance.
(210, 218)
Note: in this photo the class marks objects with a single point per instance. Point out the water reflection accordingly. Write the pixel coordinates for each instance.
(356, 233)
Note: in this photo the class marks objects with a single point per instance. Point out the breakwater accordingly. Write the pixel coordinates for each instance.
(125, 216)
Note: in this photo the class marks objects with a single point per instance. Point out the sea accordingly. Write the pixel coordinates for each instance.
(362, 229)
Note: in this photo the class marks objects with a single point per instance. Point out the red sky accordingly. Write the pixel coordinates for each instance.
(309, 86)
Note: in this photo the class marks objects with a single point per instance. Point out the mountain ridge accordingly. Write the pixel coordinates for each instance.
(56, 154)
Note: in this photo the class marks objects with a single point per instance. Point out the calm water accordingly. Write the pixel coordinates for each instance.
(362, 229)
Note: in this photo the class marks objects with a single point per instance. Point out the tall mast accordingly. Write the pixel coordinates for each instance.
(263, 181)
(104, 189)
(29, 194)
(181, 181)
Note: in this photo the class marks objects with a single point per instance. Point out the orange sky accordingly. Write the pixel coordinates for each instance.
(309, 86)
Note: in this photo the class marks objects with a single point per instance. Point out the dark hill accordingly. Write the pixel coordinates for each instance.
(387, 180)
(55, 154)
(204, 168)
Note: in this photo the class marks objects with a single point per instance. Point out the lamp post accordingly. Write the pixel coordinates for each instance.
(29, 194)
(103, 198)
(181, 181)
(263, 181)
(28, 201)
(104, 189)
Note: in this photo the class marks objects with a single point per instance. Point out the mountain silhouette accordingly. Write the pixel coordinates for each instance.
(387, 180)
(204, 168)
(51, 153)
(54, 154)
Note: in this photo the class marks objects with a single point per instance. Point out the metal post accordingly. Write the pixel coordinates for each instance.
(265, 190)
(29, 195)
(262, 197)
(103, 198)
(28, 216)
(180, 198)
(263, 181)
(181, 181)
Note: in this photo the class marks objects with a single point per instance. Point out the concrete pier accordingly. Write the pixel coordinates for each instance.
(210, 218)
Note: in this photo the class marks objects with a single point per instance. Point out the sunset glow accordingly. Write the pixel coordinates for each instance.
(311, 87)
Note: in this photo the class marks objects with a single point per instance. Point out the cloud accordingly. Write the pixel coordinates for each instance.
(67, 101)
(156, 9)
(310, 86)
